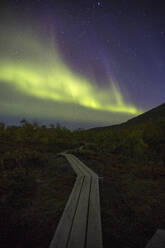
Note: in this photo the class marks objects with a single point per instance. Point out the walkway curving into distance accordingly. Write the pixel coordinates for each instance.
(80, 224)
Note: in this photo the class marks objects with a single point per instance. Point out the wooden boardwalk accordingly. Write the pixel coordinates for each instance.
(80, 224)
(158, 240)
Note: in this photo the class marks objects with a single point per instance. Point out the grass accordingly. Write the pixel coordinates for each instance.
(132, 200)
(33, 220)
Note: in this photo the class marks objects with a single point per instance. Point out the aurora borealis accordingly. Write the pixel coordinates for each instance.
(47, 74)
(55, 81)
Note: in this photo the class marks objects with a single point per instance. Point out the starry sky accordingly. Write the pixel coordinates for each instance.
(81, 63)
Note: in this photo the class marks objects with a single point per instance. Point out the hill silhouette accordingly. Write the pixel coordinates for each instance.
(151, 115)
(154, 114)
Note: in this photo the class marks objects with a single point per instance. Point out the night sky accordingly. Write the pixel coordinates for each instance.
(81, 63)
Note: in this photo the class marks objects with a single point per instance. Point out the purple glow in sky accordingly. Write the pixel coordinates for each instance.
(112, 46)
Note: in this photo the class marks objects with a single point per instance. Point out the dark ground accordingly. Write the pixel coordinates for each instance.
(32, 220)
(132, 203)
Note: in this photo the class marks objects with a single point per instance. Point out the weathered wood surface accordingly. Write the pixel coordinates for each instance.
(78, 234)
(158, 240)
(80, 224)
(61, 236)
(94, 232)
(79, 162)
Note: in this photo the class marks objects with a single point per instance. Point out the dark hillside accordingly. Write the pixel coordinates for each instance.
(154, 114)
(151, 115)
(131, 160)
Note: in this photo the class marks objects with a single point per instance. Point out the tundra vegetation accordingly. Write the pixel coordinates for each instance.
(35, 182)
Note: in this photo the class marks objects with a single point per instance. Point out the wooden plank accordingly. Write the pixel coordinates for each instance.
(76, 168)
(78, 232)
(63, 229)
(158, 240)
(94, 232)
(79, 166)
(80, 225)
(92, 173)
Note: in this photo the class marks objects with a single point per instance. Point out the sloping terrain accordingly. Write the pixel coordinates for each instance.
(154, 114)
(151, 115)
(130, 159)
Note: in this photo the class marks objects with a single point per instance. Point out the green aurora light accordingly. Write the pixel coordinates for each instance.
(41, 72)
